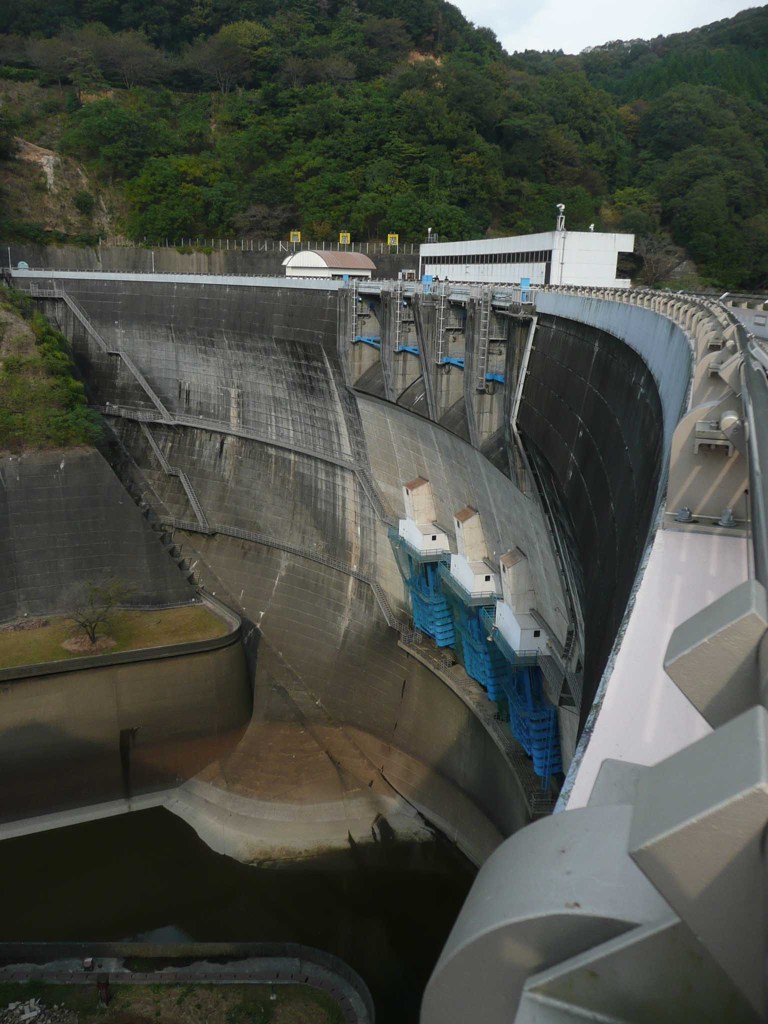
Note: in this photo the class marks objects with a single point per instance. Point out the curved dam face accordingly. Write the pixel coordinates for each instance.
(299, 482)
(292, 480)
(591, 416)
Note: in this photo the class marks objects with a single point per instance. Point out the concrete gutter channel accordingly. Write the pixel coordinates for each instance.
(248, 964)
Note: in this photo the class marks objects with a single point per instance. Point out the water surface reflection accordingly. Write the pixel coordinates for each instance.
(385, 909)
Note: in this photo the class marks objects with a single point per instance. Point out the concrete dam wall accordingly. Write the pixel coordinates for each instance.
(94, 735)
(591, 417)
(292, 481)
(298, 483)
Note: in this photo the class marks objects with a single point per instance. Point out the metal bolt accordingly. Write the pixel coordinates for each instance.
(727, 519)
(684, 515)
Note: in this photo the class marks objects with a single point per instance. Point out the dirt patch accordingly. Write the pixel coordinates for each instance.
(23, 624)
(45, 159)
(82, 645)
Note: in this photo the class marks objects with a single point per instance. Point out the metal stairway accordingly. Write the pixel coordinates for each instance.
(440, 332)
(397, 298)
(77, 312)
(483, 336)
(189, 490)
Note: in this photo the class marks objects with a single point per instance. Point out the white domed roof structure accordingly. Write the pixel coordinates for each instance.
(336, 265)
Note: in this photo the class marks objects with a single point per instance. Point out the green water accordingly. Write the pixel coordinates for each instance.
(386, 910)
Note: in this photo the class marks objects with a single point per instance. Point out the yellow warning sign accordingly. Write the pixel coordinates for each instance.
(295, 236)
(393, 239)
(344, 238)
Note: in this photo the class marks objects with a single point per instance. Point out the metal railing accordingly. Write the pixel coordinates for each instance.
(257, 245)
(79, 314)
(182, 477)
(483, 597)
(754, 396)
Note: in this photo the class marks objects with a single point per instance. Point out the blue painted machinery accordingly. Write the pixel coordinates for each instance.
(532, 719)
(453, 617)
(481, 660)
(420, 571)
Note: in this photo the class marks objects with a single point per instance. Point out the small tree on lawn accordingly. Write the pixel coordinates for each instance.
(94, 603)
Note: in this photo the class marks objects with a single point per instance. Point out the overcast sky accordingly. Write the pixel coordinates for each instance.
(570, 25)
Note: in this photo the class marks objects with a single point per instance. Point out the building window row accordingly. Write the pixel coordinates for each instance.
(539, 256)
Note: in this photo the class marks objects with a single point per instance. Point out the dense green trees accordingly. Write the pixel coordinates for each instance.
(258, 116)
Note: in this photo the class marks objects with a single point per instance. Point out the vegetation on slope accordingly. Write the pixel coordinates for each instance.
(42, 405)
(254, 117)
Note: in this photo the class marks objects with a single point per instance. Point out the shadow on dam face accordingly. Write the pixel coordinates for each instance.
(386, 910)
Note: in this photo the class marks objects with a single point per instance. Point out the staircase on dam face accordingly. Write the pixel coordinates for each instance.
(78, 313)
(356, 464)
(182, 477)
(442, 306)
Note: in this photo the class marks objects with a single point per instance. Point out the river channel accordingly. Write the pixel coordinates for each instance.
(385, 909)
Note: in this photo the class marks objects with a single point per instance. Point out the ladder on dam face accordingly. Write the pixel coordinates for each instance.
(440, 329)
(354, 299)
(398, 300)
(483, 336)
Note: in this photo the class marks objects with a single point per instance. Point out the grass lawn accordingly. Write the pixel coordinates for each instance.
(184, 1004)
(130, 630)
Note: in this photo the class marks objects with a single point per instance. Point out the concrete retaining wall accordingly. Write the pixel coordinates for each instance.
(98, 734)
(165, 260)
(65, 518)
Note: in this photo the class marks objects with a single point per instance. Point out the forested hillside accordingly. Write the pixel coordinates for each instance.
(252, 117)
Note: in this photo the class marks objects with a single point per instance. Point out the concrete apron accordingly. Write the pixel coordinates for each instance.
(325, 817)
(401, 798)
(249, 830)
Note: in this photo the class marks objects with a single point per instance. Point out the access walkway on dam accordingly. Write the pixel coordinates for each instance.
(652, 872)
